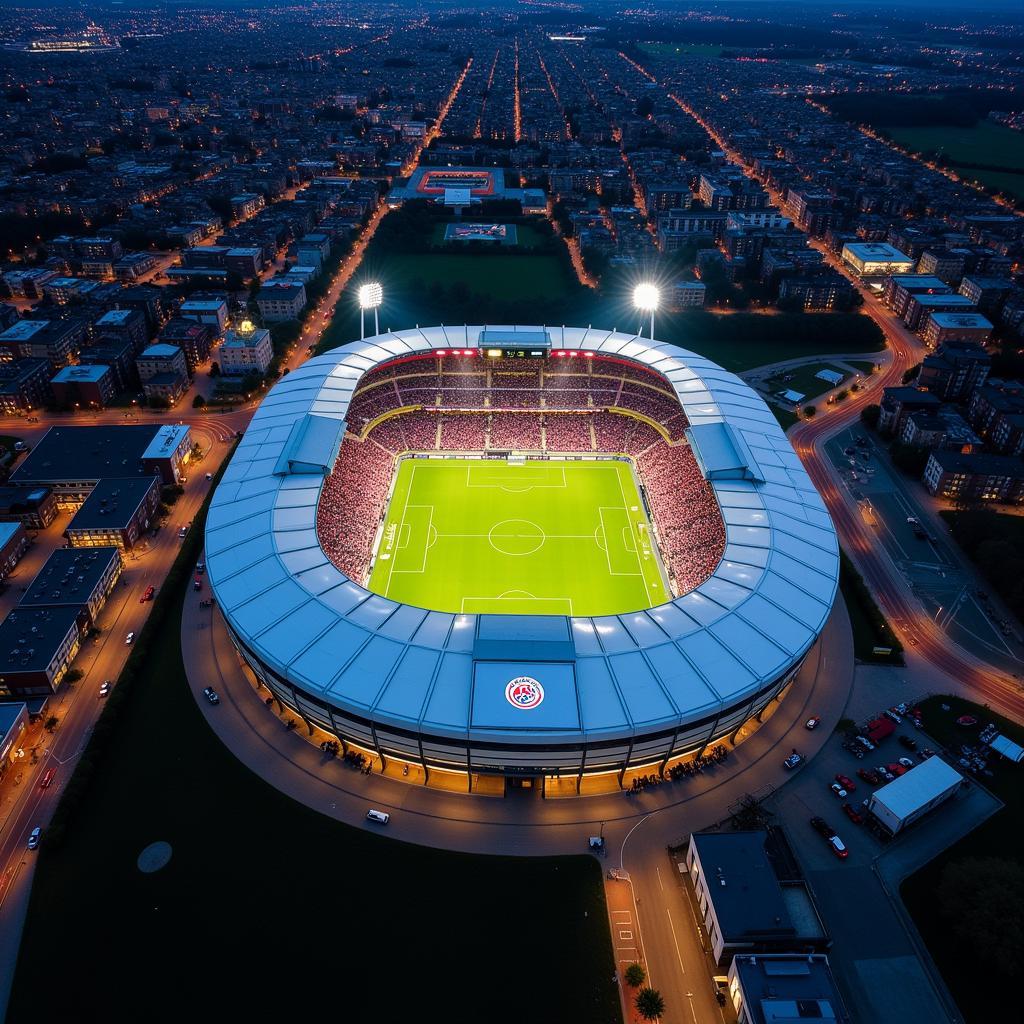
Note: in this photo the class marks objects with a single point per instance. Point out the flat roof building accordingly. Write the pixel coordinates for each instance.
(783, 988)
(13, 723)
(37, 647)
(34, 507)
(87, 386)
(116, 514)
(244, 352)
(75, 578)
(875, 259)
(750, 895)
(72, 460)
(13, 544)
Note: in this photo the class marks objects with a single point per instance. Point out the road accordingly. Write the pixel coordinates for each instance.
(77, 706)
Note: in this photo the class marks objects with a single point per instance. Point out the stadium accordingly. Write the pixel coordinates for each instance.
(520, 551)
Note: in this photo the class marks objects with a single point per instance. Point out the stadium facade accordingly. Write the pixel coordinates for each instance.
(521, 695)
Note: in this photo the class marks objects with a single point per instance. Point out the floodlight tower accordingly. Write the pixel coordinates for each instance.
(370, 297)
(646, 298)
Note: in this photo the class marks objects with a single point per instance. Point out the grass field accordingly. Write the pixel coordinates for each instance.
(950, 940)
(682, 49)
(275, 907)
(548, 538)
(984, 143)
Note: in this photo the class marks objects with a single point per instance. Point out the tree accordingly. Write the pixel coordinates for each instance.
(50, 724)
(198, 402)
(810, 410)
(215, 369)
(74, 675)
(982, 898)
(650, 1004)
(869, 416)
(635, 975)
(911, 373)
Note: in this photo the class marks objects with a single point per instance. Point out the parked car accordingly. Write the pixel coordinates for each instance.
(838, 790)
(853, 814)
(885, 773)
(812, 723)
(33, 837)
(864, 742)
(793, 761)
(822, 827)
(838, 847)
(869, 775)
(211, 695)
(846, 783)
(889, 713)
(147, 595)
(906, 762)
(381, 817)
(908, 742)
(105, 687)
(896, 769)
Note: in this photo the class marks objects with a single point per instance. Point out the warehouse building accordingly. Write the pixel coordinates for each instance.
(910, 797)
(750, 895)
(13, 544)
(784, 989)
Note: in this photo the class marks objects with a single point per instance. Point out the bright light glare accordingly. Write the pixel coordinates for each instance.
(646, 296)
(370, 295)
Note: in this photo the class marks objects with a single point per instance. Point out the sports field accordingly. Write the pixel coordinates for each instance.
(538, 538)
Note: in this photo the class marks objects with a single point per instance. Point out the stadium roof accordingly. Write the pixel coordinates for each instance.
(608, 677)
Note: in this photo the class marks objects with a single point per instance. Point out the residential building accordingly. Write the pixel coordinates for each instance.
(898, 403)
(126, 324)
(279, 300)
(954, 370)
(194, 338)
(34, 507)
(212, 312)
(14, 720)
(116, 514)
(56, 341)
(940, 328)
(684, 295)
(163, 371)
(246, 350)
(37, 647)
(13, 544)
(784, 988)
(24, 386)
(76, 578)
(84, 386)
(959, 477)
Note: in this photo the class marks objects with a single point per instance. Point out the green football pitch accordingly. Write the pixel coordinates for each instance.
(537, 538)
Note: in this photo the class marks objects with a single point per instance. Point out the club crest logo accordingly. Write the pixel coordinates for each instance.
(524, 692)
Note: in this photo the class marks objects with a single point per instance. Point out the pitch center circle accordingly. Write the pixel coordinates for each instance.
(516, 537)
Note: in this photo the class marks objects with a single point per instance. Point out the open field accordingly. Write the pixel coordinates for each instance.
(267, 907)
(984, 143)
(803, 380)
(952, 939)
(548, 538)
(682, 49)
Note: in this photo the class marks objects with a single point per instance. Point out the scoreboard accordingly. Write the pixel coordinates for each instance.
(515, 344)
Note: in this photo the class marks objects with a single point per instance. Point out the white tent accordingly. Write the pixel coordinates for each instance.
(1010, 750)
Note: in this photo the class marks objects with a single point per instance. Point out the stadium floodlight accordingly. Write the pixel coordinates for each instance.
(370, 297)
(646, 298)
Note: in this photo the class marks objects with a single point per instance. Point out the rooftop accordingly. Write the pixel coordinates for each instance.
(112, 504)
(69, 576)
(160, 350)
(785, 988)
(86, 454)
(82, 374)
(30, 636)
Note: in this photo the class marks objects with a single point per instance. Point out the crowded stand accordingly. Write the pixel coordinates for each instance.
(684, 512)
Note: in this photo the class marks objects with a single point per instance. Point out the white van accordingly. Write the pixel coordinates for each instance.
(381, 817)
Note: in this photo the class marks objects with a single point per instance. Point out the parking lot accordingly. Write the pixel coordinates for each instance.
(877, 953)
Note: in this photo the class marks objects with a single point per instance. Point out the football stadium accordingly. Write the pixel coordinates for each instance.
(520, 551)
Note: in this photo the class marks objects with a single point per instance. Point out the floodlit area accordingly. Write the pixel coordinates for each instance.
(527, 537)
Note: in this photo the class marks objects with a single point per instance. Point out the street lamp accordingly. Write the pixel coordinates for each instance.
(646, 298)
(370, 297)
